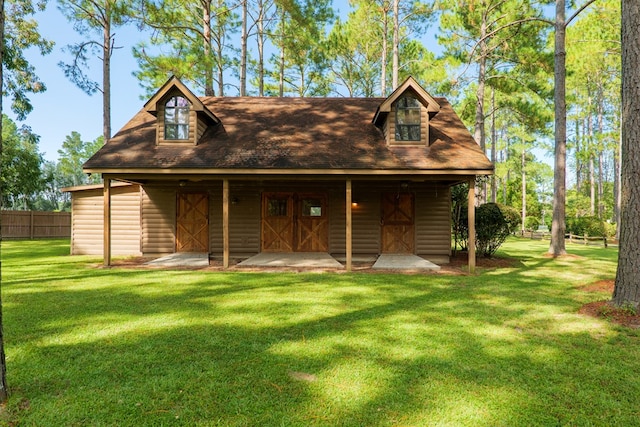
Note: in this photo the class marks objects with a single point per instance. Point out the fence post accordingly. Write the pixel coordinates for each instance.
(585, 239)
(604, 238)
(31, 225)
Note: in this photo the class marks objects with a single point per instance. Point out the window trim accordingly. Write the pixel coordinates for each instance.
(411, 127)
(176, 123)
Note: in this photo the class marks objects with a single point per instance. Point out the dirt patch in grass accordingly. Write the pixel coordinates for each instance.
(624, 316)
(460, 260)
(600, 286)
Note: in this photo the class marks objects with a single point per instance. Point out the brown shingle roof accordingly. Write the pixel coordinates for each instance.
(292, 133)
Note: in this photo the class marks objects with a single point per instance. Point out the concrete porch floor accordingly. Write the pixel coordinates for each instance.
(295, 259)
(324, 260)
(298, 260)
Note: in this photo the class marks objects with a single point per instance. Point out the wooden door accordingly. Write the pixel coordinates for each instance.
(277, 222)
(192, 223)
(312, 223)
(397, 223)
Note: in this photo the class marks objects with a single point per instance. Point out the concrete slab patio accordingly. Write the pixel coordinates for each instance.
(403, 262)
(297, 259)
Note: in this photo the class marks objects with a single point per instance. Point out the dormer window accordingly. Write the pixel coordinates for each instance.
(408, 111)
(176, 118)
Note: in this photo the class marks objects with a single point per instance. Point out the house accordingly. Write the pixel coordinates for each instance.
(234, 177)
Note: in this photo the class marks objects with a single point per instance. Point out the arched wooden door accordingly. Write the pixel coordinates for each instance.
(192, 222)
(397, 223)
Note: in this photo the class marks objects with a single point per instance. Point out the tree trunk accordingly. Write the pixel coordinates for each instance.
(281, 65)
(578, 161)
(396, 44)
(106, 75)
(478, 130)
(219, 29)
(557, 246)
(243, 51)
(524, 190)
(206, 32)
(591, 152)
(3, 364)
(617, 186)
(600, 149)
(261, 42)
(592, 186)
(627, 284)
(494, 143)
(383, 59)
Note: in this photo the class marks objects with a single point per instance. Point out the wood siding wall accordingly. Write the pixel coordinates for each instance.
(433, 221)
(143, 221)
(244, 219)
(158, 234)
(88, 217)
(432, 216)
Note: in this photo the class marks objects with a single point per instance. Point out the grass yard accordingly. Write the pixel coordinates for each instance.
(88, 346)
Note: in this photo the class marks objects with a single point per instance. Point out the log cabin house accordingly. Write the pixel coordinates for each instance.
(237, 176)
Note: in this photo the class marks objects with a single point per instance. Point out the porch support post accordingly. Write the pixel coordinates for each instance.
(471, 215)
(225, 223)
(349, 247)
(106, 239)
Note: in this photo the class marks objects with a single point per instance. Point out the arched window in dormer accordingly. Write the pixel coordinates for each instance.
(408, 119)
(176, 118)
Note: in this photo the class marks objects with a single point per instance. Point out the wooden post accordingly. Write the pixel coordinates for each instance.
(472, 225)
(225, 223)
(31, 232)
(106, 242)
(349, 247)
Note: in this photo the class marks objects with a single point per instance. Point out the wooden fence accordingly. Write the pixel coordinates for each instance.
(35, 224)
(572, 238)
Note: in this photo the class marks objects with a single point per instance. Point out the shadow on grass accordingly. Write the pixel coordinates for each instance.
(123, 347)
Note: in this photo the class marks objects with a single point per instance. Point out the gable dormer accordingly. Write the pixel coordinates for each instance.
(404, 116)
(181, 118)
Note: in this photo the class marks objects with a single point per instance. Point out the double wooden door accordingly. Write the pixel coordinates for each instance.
(294, 222)
(192, 222)
(397, 223)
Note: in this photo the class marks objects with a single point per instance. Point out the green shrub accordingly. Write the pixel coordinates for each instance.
(589, 225)
(531, 223)
(494, 223)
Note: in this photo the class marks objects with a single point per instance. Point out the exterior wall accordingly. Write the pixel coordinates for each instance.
(88, 217)
(432, 216)
(433, 222)
(158, 220)
(244, 219)
(144, 220)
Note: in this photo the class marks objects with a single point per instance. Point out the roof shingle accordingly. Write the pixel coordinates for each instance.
(292, 133)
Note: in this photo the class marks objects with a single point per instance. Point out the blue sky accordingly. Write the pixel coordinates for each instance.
(64, 108)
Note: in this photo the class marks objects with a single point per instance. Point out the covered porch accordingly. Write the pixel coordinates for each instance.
(349, 199)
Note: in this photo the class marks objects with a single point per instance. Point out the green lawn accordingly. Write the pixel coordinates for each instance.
(88, 346)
